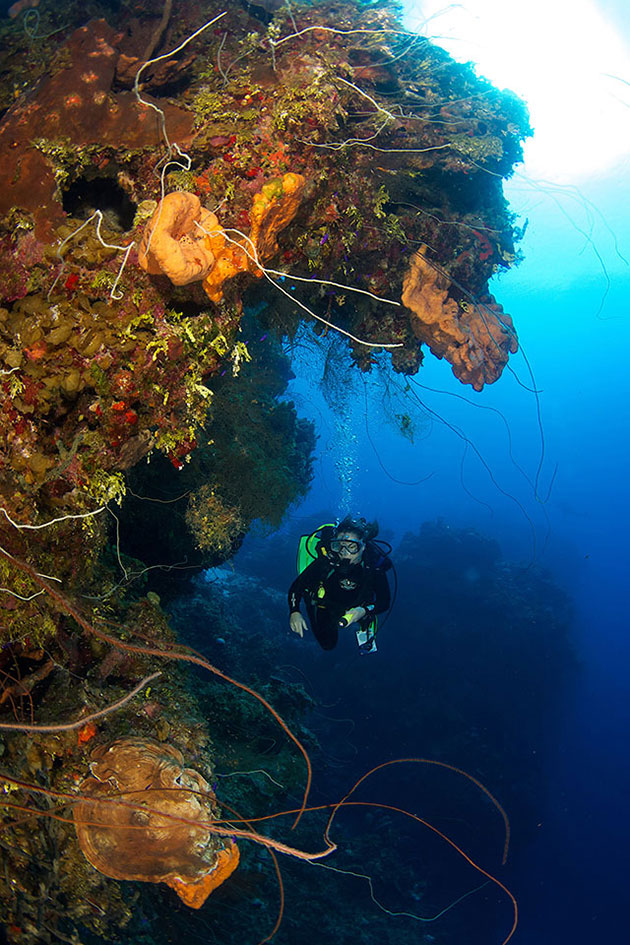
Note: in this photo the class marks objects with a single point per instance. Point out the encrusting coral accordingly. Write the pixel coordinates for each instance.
(145, 837)
(20, 6)
(476, 338)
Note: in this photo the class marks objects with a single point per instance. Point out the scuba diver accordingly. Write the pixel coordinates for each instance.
(342, 578)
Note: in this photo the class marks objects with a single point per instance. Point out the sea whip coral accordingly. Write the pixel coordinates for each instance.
(476, 339)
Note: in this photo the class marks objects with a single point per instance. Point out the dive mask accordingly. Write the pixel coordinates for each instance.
(349, 545)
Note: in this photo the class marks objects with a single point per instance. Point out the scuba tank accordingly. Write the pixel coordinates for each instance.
(311, 547)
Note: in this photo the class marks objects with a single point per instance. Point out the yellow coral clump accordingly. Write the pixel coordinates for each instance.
(214, 524)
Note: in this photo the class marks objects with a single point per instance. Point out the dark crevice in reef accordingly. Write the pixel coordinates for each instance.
(87, 194)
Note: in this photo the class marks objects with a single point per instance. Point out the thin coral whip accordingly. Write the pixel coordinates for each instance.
(229, 830)
(69, 726)
(438, 764)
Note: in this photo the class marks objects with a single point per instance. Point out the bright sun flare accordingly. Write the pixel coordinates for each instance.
(563, 57)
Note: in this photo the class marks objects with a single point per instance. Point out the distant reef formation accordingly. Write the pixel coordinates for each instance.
(174, 203)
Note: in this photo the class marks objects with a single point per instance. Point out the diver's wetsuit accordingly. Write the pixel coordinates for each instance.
(329, 590)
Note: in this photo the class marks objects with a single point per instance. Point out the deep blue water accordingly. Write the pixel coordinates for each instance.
(571, 312)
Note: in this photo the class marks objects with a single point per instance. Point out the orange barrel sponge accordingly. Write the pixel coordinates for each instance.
(144, 816)
(476, 338)
(173, 244)
(231, 260)
(274, 208)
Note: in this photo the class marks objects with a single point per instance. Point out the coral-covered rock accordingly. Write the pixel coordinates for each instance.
(475, 338)
(73, 108)
(103, 365)
(159, 833)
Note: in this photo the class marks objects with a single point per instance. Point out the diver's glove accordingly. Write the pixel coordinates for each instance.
(352, 616)
(297, 623)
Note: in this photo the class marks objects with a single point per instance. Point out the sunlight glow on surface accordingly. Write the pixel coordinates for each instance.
(565, 59)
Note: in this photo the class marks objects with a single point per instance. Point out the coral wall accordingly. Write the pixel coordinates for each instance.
(314, 149)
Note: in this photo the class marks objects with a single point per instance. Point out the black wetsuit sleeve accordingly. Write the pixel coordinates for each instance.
(382, 592)
(306, 581)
